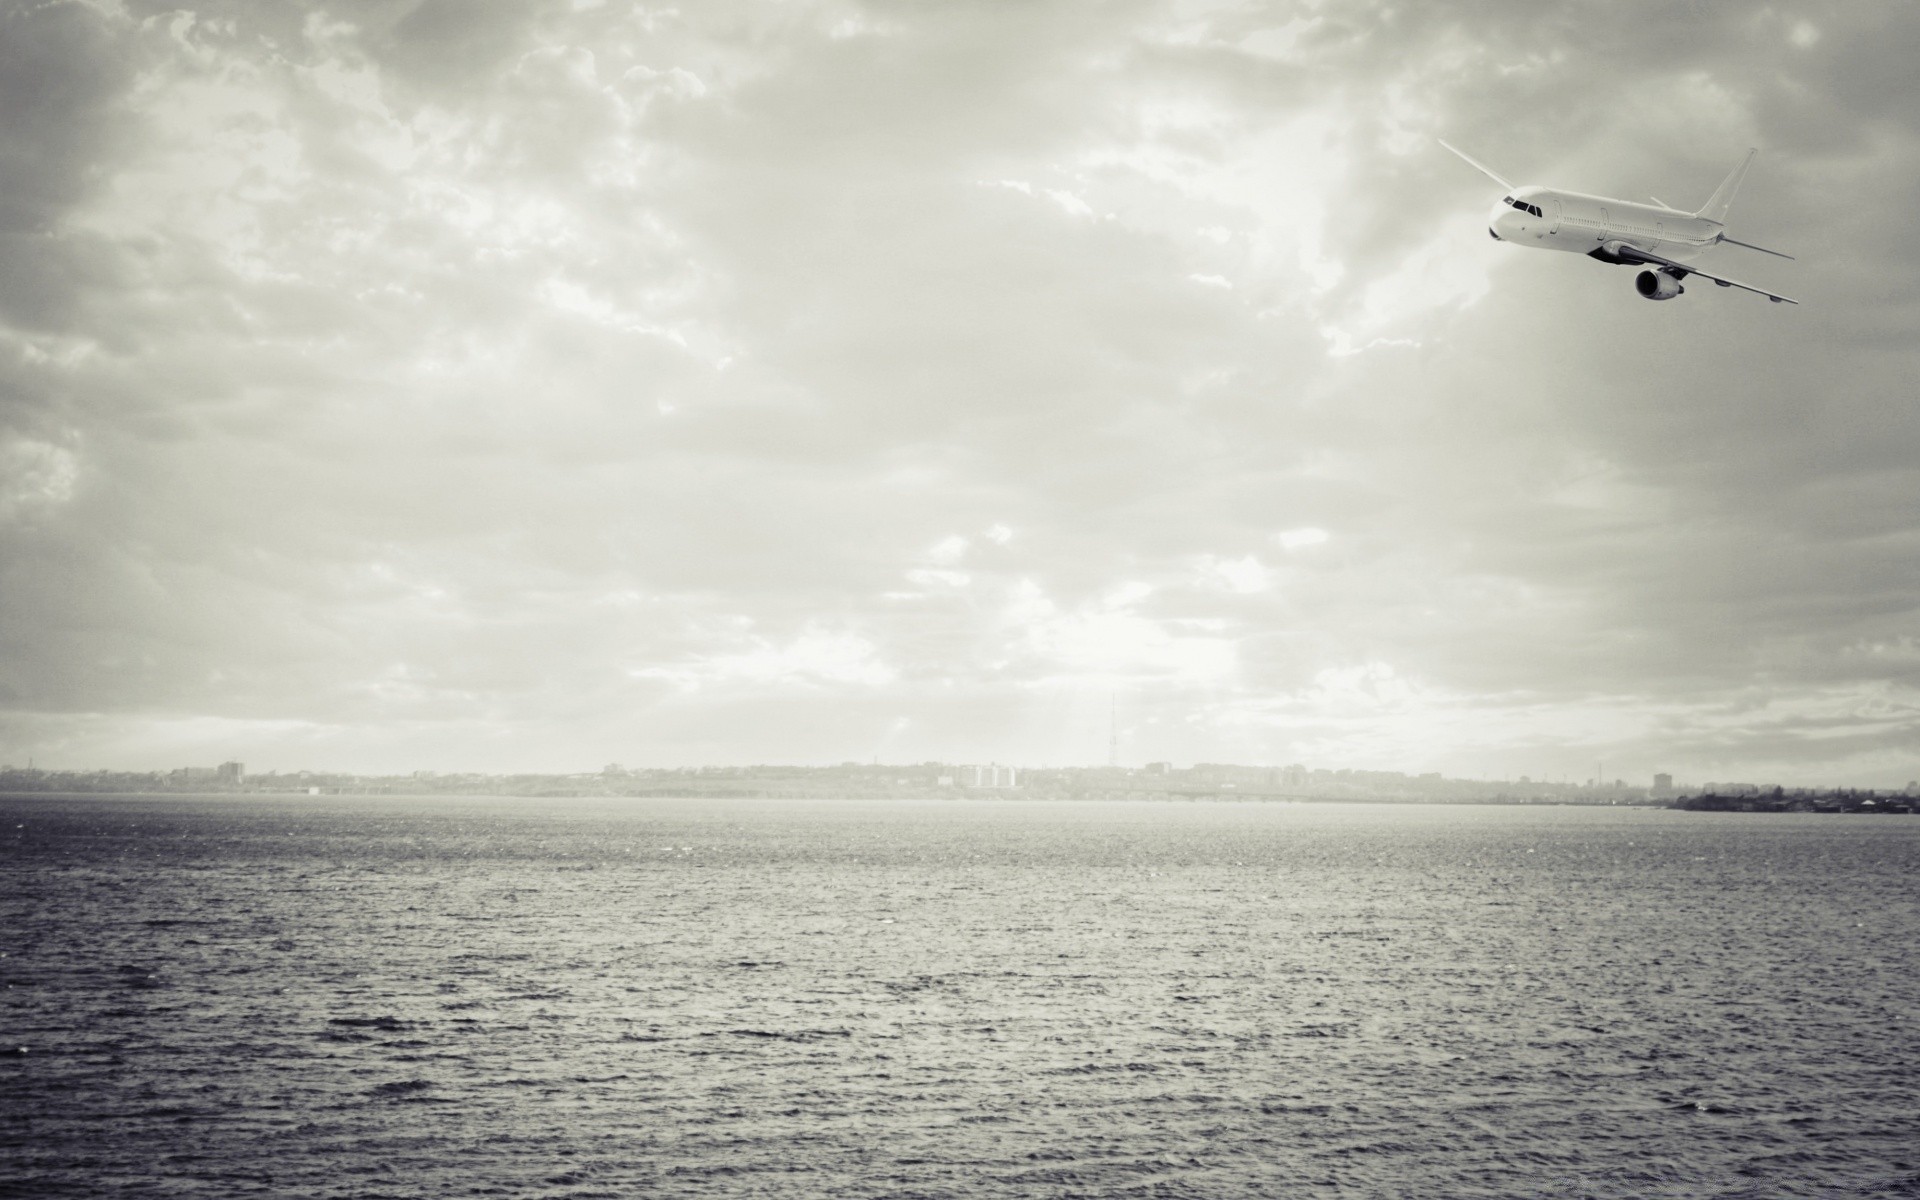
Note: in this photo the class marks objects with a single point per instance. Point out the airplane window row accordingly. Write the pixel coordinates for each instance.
(1523, 206)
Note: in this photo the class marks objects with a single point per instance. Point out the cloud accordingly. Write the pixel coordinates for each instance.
(1109, 642)
(1302, 538)
(34, 477)
(816, 657)
(554, 382)
(1246, 574)
(948, 550)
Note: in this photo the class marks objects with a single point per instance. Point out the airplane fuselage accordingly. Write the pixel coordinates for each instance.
(1550, 219)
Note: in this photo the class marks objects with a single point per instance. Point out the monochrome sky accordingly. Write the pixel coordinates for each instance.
(519, 386)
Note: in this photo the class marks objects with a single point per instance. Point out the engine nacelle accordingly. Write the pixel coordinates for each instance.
(1657, 285)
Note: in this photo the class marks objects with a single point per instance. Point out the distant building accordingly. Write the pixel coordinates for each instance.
(994, 776)
(232, 772)
(1160, 768)
(1662, 784)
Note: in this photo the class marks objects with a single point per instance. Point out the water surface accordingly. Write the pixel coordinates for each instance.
(358, 997)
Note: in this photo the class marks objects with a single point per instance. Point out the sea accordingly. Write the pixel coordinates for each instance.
(231, 996)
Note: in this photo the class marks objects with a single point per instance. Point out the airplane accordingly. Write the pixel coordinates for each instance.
(1622, 232)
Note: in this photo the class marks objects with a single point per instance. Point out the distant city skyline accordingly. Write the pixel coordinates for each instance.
(412, 385)
(976, 774)
(1160, 781)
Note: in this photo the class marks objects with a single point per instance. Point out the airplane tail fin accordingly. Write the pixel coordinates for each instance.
(1715, 209)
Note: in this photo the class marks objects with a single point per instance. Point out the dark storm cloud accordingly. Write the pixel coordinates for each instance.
(62, 75)
(509, 385)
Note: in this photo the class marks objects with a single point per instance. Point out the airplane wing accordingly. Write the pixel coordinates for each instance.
(1635, 254)
(1477, 165)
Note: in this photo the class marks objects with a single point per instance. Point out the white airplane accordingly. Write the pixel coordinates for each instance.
(1622, 232)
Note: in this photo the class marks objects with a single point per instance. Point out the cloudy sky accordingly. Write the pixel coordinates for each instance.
(516, 386)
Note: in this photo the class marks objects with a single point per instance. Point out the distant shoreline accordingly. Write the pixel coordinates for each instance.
(1862, 803)
(1003, 795)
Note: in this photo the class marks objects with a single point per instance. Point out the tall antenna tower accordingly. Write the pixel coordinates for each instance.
(1113, 730)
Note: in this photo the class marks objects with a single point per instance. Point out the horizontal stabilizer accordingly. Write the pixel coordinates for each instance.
(1749, 245)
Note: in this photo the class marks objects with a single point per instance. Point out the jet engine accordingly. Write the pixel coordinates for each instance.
(1658, 285)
